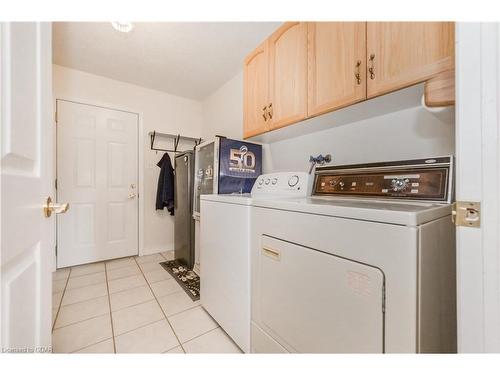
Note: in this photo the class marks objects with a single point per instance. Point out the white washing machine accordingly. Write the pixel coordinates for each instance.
(364, 265)
(225, 243)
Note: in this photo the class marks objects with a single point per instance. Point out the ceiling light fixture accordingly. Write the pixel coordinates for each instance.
(123, 27)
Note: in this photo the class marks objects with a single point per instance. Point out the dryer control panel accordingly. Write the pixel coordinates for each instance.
(423, 179)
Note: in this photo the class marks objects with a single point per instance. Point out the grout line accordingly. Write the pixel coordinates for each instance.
(135, 304)
(142, 326)
(83, 300)
(110, 313)
(81, 321)
(60, 302)
(204, 333)
(88, 346)
(163, 312)
(189, 308)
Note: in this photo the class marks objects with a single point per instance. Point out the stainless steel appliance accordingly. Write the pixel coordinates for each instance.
(183, 208)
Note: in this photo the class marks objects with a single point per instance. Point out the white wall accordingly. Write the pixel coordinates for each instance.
(409, 133)
(223, 110)
(158, 111)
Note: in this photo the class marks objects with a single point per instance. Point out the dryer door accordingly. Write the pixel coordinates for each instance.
(314, 302)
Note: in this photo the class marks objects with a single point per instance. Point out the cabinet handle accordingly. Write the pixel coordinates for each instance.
(357, 73)
(264, 113)
(270, 112)
(371, 69)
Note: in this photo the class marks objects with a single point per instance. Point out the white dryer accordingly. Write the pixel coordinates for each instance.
(364, 265)
(225, 243)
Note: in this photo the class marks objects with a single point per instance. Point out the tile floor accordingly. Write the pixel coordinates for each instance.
(130, 305)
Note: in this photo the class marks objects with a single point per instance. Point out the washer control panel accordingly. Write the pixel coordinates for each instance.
(295, 184)
(423, 179)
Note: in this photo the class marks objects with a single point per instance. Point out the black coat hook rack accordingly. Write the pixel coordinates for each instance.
(176, 139)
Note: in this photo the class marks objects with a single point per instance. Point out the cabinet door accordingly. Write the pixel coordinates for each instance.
(288, 74)
(255, 91)
(405, 53)
(337, 65)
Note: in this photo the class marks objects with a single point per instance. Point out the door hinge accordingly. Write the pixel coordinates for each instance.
(56, 250)
(55, 183)
(466, 214)
(55, 117)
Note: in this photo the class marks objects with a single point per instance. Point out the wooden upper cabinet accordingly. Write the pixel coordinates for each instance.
(255, 91)
(405, 53)
(288, 74)
(337, 65)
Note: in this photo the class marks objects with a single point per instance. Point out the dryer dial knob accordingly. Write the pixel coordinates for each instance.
(294, 180)
(399, 184)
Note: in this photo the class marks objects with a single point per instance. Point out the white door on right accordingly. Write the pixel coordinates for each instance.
(97, 153)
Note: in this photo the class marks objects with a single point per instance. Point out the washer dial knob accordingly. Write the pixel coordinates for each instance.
(294, 180)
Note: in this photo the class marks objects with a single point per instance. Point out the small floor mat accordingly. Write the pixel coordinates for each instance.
(187, 279)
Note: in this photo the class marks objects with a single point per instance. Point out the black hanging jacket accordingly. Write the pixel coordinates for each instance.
(165, 192)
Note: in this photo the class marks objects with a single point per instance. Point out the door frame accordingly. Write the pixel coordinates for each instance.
(140, 156)
(478, 179)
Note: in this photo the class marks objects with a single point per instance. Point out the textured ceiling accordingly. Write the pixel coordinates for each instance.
(189, 59)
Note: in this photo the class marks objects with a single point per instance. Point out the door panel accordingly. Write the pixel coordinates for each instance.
(28, 237)
(312, 302)
(406, 53)
(334, 50)
(288, 74)
(256, 96)
(97, 175)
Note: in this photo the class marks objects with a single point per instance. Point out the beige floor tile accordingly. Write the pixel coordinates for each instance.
(154, 338)
(80, 335)
(61, 274)
(77, 312)
(153, 258)
(56, 299)
(58, 285)
(169, 255)
(215, 341)
(130, 297)
(176, 302)
(87, 269)
(86, 280)
(158, 275)
(176, 350)
(191, 323)
(133, 317)
(102, 347)
(118, 273)
(119, 263)
(165, 287)
(126, 283)
(85, 293)
(149, 267)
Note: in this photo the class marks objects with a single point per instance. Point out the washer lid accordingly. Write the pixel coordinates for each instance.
(243, 199)
(391, 212)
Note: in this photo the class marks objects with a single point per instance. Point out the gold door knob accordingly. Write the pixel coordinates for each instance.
(131, 196)
(57, 208)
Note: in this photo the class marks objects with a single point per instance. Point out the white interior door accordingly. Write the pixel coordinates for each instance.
(478, 180)
(28, 245)
(97, 175)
